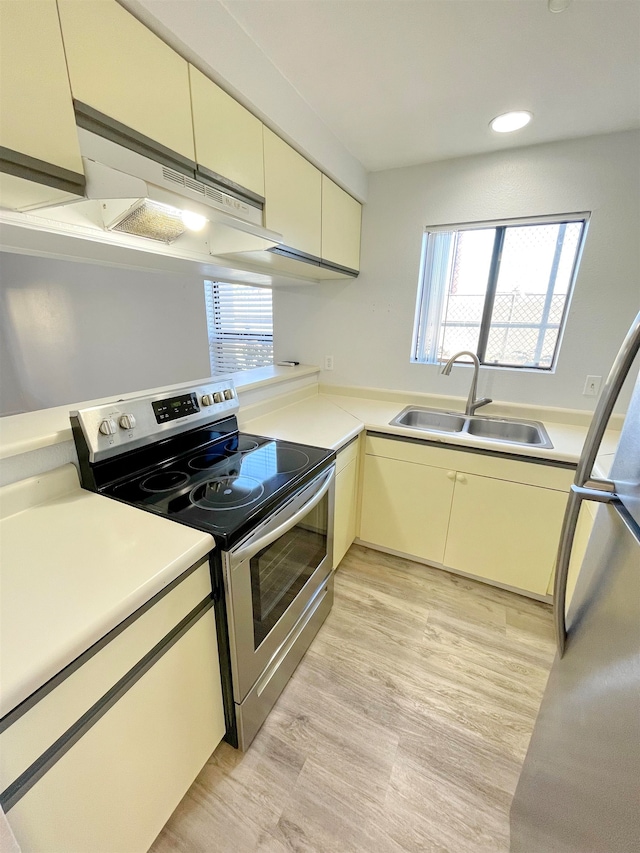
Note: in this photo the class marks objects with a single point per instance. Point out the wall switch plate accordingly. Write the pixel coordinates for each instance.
(592, 386)
(328, 362)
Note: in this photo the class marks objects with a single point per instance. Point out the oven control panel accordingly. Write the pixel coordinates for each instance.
(113, 428)
(173, 408)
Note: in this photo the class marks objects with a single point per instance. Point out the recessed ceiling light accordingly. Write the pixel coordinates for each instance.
(558, 5)
(510, 121)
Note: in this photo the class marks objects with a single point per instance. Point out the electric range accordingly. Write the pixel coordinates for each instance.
(268, 504)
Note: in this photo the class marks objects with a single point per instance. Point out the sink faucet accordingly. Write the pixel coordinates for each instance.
(472, 403)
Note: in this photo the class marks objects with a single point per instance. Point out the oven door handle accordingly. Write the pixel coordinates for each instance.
(253, 546)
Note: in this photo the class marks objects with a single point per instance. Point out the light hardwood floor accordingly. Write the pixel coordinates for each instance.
(403, 729)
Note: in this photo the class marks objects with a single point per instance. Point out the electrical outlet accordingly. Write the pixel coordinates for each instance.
(328, 362)
(592, 386)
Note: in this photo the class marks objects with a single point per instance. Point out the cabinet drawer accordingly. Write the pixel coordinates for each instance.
(115, 788)
(484, 465)
(37, 729)
(347, 455)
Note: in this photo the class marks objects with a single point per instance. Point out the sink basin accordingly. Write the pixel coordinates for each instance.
(505, 430)
(515, 432)
(430, 419)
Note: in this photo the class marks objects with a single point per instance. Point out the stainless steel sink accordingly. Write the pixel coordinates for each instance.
(506, 430)
(430, 419)
(516, 432)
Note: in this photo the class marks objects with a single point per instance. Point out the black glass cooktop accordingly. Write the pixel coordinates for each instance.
(225, 488)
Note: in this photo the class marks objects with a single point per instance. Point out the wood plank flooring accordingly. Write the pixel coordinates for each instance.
(403, 729)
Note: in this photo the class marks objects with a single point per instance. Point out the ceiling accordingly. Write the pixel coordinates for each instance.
(410, 81)
(400, 82)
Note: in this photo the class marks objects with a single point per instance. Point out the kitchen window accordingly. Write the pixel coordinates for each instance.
(240, 324)
(499, 289)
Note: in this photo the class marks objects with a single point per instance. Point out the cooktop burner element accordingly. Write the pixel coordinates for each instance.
(246, 444)
(272, 459)
(226, 493)
(206, 461)
(164, 481)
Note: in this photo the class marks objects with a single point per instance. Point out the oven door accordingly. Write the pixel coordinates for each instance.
(271, 576)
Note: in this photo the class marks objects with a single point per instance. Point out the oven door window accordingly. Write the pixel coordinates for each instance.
(280, 570)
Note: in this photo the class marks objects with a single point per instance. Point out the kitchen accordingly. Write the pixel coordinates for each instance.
(596, 173)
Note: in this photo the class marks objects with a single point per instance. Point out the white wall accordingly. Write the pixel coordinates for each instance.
(75, 331)
(367, 324)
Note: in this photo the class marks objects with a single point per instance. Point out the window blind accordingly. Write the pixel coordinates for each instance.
(240, 324)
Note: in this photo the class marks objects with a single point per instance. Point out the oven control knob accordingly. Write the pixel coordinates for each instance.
(108, 426)
(228, 394)
(207, 400)
(127, 421)
(218, 397)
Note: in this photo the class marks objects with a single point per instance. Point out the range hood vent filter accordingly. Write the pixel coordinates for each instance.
(151, 220)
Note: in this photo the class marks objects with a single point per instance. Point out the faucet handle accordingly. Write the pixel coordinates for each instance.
(477, 403)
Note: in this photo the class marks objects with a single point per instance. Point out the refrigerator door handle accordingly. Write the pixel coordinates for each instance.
(562, 568)
(619, 370)
(585, 486)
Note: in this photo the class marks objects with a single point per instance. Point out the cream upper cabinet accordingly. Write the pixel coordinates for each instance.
(36, 119)
(341, 218)
(228, 138)
(121, 69)
(293, 196)
(505, 532)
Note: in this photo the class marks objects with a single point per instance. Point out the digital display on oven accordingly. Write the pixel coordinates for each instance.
(175, 407)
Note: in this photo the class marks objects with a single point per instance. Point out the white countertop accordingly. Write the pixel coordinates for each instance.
(74, 565)
(333, 420)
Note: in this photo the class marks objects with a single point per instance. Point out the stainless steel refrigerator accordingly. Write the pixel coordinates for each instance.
(579, 791)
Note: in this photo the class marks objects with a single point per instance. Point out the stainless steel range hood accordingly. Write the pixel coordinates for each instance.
(133, 196)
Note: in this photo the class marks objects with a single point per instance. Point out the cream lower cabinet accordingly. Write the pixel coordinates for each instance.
(586, 520)
(345, 514)
(505, 532)
(489, 516)
(122, 738)
(405, 507)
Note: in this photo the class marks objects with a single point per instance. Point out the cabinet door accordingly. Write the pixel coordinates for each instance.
(505, 532)
(118, 784)
(293, 196)
(341, 216)
(120, 68)
(405, 507)
(345, 511)
(37, 118)
(228, 138)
